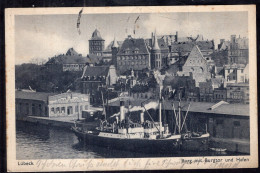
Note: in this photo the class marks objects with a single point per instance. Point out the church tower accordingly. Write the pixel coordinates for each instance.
(115, 48)
(156, 57)
(96, 44)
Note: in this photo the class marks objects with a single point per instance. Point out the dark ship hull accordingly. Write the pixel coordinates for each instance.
(165, 145)
(135, 145)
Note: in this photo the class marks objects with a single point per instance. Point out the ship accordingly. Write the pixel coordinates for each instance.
(146, 136)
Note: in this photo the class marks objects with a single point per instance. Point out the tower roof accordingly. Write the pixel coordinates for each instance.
(155, 43)
(96, 35)
(115, 43)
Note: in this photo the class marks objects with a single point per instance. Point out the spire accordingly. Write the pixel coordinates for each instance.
(115, 43)
(155, 42)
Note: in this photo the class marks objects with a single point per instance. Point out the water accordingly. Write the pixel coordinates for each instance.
(45, 142)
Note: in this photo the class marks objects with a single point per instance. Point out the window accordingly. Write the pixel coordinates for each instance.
(40, 109)
(27, 108)
(52, 110)
(33, 109)
(58, 110)
(62, 109)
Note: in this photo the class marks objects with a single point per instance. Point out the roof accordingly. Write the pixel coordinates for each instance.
(187, 46)
(232, 66)
(161, 43)
(108, 48)
(130, 44)
(96, 71)
(40, 96)
(238, 84)
(203, 107)
(71, 52)
(96, 35)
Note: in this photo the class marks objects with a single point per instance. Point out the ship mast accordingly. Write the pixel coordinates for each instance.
(179, 118)
(160, 112)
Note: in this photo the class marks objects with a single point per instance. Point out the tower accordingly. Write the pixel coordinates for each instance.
(96, 44)
(115, 48)
(156, 58)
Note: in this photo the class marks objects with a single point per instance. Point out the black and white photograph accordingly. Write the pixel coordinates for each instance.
(140, 87)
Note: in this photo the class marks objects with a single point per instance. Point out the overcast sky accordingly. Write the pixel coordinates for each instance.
(43, 36)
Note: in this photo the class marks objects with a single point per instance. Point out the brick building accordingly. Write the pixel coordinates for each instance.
(238, 51)
(133, 54)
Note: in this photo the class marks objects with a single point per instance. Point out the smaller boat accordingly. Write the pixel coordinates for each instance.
(218, 149)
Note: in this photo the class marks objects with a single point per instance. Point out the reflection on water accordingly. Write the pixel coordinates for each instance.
(34, 141)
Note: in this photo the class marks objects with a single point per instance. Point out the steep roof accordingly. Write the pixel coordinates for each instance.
(71, 52)
(203, 107)
(96, 35)
(195, 53)
(96, 71)
(108, 48)
(130, 44)
(39, 96)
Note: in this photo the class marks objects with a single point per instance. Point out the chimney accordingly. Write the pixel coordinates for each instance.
(222, 40)
(176, 36)
(122, 110)
(129, 37)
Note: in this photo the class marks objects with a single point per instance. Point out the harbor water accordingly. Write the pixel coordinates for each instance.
(35, 141)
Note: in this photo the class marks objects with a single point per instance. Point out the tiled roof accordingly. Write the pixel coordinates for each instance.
(187, 46)
(204, 107)
(40, 96)
(161, 43)
(71, 52)
(130, 44)
(96, 71)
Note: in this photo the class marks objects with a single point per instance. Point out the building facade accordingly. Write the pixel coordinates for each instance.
(196, 66)
(238, 93)
(68, 104)
(238, 52)
(50, 104)
(133, 54)
(97, 77)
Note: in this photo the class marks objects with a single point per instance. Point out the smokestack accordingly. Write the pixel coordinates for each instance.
(142, 117)
(122, 110)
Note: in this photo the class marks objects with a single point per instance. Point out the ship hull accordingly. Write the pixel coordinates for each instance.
(135, 145)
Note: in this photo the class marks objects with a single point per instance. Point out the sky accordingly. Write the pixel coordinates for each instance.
(44, 36)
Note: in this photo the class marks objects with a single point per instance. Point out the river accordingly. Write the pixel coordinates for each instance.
(45, 142)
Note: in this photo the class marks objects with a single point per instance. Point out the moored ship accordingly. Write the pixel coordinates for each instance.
(143, 136)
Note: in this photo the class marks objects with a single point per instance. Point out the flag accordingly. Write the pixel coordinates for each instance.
(78, 22)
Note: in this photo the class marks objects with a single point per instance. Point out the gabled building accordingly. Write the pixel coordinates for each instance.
(96, 77)
(238, 52)
(196, 66)
(236, 73)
